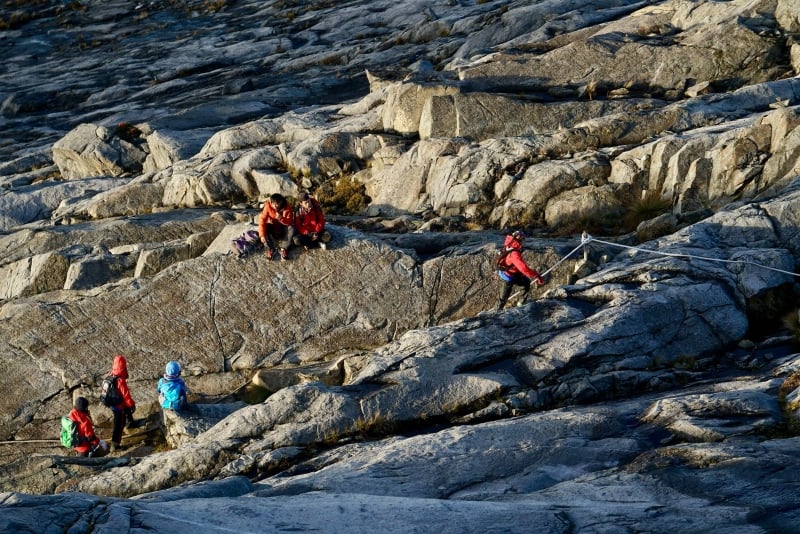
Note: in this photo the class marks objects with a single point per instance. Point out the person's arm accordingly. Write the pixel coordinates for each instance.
(317, 220)
(263, 219)
(515, 259)
(86, 431)
(124, 390)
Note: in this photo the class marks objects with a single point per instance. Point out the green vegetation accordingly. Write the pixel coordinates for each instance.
(651, 205)
(343, 196)
(791, 321)
(606, 224)
(377, 426)
(212, 6)
(17, 13)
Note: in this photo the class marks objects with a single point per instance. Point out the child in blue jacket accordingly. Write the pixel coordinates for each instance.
(172, 390)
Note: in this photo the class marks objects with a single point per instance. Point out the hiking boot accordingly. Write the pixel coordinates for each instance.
(269, 253)
(284, 254)
(114, 447)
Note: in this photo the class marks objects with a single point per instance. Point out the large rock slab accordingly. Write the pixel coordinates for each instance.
(93, 150)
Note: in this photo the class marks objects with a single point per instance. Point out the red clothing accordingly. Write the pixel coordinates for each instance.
(88, 439)
(269, 215)
(309, 221)
(120, 370)
(513, 263)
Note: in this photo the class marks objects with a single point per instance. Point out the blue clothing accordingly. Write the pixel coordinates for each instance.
(172, 392)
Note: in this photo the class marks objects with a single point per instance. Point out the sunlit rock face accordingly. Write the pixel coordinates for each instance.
(651, 151)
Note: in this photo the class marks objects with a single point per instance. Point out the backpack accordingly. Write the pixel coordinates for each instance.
(109, 394)
(247, 243)
(171, 398)
(69, 433)
(500, 262)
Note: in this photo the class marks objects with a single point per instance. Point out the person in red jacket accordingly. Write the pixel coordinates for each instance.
(309, 223)
(276, 223)
(124, 410)
(512, 269)
(89, 444)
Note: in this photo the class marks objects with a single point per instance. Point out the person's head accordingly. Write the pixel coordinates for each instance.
(519, 236)
(277, 200)
(120, 366)
(173, 368)
(81, 404)
(304, 198)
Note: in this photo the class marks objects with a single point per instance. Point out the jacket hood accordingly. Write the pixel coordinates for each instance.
(120, 367)
(172, 370)
(512, 243)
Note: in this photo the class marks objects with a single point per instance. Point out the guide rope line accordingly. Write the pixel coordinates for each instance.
(586, 239)
(573, 251)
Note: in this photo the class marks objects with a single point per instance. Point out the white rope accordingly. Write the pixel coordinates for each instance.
(586, 239)
(574, 250)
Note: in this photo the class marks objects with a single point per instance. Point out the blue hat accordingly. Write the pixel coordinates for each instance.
(173, 368)
(519, 235)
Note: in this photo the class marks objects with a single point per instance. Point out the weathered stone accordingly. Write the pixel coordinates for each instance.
(182, 426)
(92, 150)
(38, 274)
(94, 271)
(168, 147)
(586, 204)
(391, 388)
(405, 104)
(611, 60)
(134, 199)
(480, 116)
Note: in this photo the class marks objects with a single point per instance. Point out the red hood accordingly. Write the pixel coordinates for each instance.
(512, 243)
(120, 367)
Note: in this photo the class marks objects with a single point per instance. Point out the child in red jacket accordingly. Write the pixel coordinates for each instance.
(309, 223)
(512, 269)
(125, 409)
(89, 444)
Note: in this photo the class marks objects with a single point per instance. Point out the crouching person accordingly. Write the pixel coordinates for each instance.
(172, 390)
(309, 224)
(88, 443)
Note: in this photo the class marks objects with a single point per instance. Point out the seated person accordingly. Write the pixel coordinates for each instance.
(88, 443)
(172, 390)
(276, 225)
(309, 223)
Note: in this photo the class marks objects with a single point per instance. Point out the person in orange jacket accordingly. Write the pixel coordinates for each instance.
(512, 269)
(309, 223)
(123, 411)
(89, 444)
(276, 223)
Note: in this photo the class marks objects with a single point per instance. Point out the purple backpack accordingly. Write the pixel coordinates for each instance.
(246, 243)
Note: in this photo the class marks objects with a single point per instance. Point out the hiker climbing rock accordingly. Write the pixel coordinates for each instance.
(276, 225)
(172, 390)
(88, 442)
(124, 410)
(512, 269)
(309, 223)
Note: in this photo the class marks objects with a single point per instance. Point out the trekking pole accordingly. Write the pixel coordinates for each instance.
(512, 297)
(22, 441)
(232, 393)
